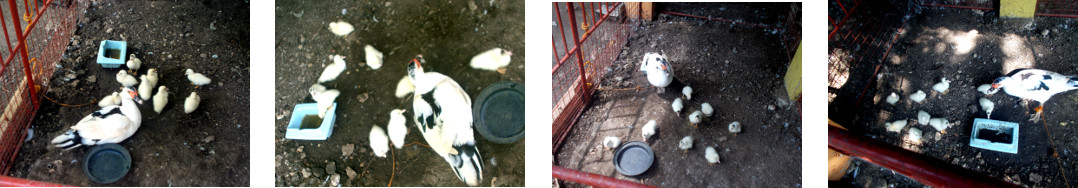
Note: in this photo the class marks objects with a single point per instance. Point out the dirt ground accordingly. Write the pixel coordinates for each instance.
(209, 147)
(736, 68)
(939, 42)
(447, 34)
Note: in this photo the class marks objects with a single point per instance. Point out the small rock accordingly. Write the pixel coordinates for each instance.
(306, 172)
(771, 107)
(472, 6)
(722, 138)
(299, 149)
(331, 167)
(203, 55)
(109, 30)
(208, 139)
(1035, 178)
(347, 149)
(334, 180)
(351, 173)
(92, 78)
(362, 97)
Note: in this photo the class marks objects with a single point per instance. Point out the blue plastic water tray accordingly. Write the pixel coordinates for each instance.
(321, 133)
(111, 62)
(994, 135)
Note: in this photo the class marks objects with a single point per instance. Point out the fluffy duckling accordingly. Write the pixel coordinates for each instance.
(126, 79)
(404, 87)
(648, 129)
(397, 129)
(987, 106)
(379, 141)
(197, 78)
(695, 118)
(493, 60)
(685, 144)
(914, 136)
(706, 108)
(984, 88)
(341, 28)
(191, 103)
(152, 75)
(895, 126)
(324, 98)
(110, 100)
(687, 92)
(374, 57)
(734, 127)
(711, 156)
(611, 142)
(918, 97)
(133, 63)
(160, 99)
(333, 69)
(677, 106)
(923, 117)
(942, 86)
(893, 98)
(940, 124)
(145, 89)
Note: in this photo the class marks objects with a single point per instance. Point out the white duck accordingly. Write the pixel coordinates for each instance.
(695, 118)
(404, 87)
(685, 144)
(333, 69)
(1034, 84)
(191, 103)
(197, 78)
(687, 92)
(987, 106)
(984, 88)
(110, 100)
(443, 114)
(918, 97)
(323, 97)
(397, 129)
(341, 28)
(126, 79)
(734, 127)
(942, 86)
(893, 98)
(379, 141)
(133, 63)
(896, 126)
(112, 124)
(648, 129)
(923, 117)
(658, 70)
(160, 99)
(711, 156)
(374, 57)
(493, 60)
(706, 108)
(152, 75)
(611, 142)
(677, 105)
(145, 89)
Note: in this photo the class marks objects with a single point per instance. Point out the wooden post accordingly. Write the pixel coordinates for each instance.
(1017, 8)
(647, 9)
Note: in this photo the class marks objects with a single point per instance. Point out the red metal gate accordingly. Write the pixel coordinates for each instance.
(36, 35)
(1051, 8)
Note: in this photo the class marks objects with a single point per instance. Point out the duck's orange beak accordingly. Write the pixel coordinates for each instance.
(416, 61)
(134, 96)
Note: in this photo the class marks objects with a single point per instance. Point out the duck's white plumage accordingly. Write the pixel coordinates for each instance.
(151, 74)
(648, 129)
(942, 86)
(987, 106)
(145, 89)
(333, 69)
(685, 143)
(734, 127)
(323, 97)
(492, 59)
(893, 98)
(658, 70)
(923, 117)
(111, 124)
(191, 103)
(677, 105)
(110, 100)
(133, 63)
(397, 129)
(611, 142)
(379, 141)
(197, 78)
(341, 28)
(711, 156)
(126, 79)
(160, 99)
(687, 92)
(404, 87)
(696, 117)
(1034, 84)
(940, 124)
(895, 126)
(374, 57)
(442, 112)
(918, 97)
(984, 88)
(707, 109)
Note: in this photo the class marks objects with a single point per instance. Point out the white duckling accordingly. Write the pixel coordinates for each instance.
(333, 69)
(686, 92)
(923, 117)
(658, 70)
(341, 28)
(734, 127)
(443, 113)
(895, 126)
(110, 100)
(111, 124)
(685, 144)
(404, 87)
(160, 99)
(611, 142)
(493, 60)
(197, 78)
(648, 129)
(914, 136)
(984, 88)
(145, 89)
(942, 86)
(379, 141)
(1034, 84)
(323, 97)
(133, 63)
(706, 108)
(695, 118)
(374, 57)
(940, 124)
(397, 129)
(126, 79)
(711, 156)
(151, 74)
(987, 106)
(892, 99)
(918, 97)
(191, 103)
(677, 106)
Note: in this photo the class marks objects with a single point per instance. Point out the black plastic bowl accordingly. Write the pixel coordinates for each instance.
(633, 158)
(106, 163)
(498, 112)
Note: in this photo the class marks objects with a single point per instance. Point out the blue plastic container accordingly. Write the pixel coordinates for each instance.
(107, 45)
(321, 133)
(994, 135)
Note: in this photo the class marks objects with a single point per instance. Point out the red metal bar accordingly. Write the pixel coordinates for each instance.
(8, 181)
(564, 44)
(959, 6)
(579, 51)
(22, 53)
(843, 22)
(718, 19)
(843, 8)
(6, 38)
(575, 48)
(1056, 15)
(930, 171)
(596, 180)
